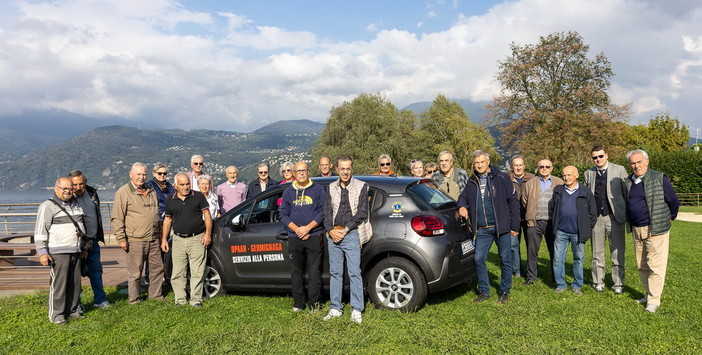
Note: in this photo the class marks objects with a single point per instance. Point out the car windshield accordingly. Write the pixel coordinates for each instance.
(423, 194)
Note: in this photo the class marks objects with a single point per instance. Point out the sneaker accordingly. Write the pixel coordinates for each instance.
(642, 300)
(295, 309)
(80, 309)
(618, 291)
(503, 298)
(577, 292)
(651, 308)
(197, 305)
(528, 282)
(333, 313)
(104, 304)
(356, 317)
(76, 315)
(135, 302)
(559, 290)
(59, 321)
(483, 296)
(599, 288)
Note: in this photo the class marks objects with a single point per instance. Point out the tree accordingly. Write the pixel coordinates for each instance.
(365, 128)
(553, 102)
(662, 134)
(445, 126)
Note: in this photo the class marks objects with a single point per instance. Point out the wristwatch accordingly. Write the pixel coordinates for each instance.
(346, 229)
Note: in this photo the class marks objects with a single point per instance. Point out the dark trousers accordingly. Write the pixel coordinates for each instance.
(64, 286)
(306, 254)
(534, 234)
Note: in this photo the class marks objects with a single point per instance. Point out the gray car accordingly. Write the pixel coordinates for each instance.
(418, 245)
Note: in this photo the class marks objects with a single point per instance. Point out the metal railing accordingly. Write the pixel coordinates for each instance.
(19, 218)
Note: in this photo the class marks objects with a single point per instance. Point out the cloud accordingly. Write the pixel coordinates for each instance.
(159, 61)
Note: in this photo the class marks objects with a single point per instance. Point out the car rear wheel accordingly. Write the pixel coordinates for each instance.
(213, 282)
(396, 283)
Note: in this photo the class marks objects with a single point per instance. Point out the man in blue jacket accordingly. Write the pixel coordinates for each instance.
(574, 216)
(302, 213)
(491, 200)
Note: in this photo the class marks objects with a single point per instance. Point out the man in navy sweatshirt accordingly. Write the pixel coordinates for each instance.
(302, 213)
(574, 215)
(651, 208)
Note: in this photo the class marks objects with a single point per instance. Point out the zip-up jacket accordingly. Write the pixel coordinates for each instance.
(585, 206)
(135, 215)
(54, 232)
(504, 200)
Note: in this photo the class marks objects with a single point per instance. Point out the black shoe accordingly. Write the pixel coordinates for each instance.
(528, 282)
(503, 298)
(483, 296)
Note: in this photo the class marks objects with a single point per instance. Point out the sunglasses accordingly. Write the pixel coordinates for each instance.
(286, 170)
(544, 167)
(431, 171)
(199, 163)
(263, 172)
(385, 164)
(161, 173)
(594, 157)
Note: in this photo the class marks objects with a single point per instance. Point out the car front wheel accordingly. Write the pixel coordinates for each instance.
(213, 282)
(397, 283)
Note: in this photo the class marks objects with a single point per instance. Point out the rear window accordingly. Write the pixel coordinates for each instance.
(428, 197)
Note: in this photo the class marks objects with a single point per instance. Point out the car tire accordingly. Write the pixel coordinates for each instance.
(212, 286)
(396, 283)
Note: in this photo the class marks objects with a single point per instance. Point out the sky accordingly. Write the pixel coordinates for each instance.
(239, 65)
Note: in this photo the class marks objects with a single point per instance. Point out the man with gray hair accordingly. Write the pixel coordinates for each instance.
(519, 177)
(385, 166)
(135, 224)
(651, 207)
(197, 163)
(536, 200)
(86, 196)
(491, 202)
(449, 179)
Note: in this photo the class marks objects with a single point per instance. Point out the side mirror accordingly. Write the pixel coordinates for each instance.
(237, 223)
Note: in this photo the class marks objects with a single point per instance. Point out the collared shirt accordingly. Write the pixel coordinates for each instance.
(573, 190)
(545, 184)
(187, 213)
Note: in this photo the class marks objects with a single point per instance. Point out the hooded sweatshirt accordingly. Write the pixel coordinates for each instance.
(302, 205)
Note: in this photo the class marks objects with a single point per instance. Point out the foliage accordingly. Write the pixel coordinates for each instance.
(369, 126)
(447, 127)
(684, 169)
(554, 103)
(662, 134)
(597, 322)
(364, 128)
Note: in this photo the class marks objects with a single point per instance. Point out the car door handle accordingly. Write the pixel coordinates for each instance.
(282, 236)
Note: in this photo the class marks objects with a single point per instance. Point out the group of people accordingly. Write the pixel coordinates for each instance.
(503, 207)
(154, 220)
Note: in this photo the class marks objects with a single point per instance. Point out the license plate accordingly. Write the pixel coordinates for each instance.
(467, 246)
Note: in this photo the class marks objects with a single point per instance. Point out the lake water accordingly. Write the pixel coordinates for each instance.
(37, 196)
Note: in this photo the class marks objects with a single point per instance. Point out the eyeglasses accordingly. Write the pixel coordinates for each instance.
(263, 172)
(161, 173)
(65, 188)
(594, 157)
(300, 171)
(385, 164)
(198, 163)
(545, 167)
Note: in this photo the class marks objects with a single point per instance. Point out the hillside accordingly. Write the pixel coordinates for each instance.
(105, 154)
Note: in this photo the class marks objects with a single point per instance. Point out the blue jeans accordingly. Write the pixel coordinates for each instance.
(560, 251)
(350, 247)
(483, 242)
(516, 259)
(95, 273)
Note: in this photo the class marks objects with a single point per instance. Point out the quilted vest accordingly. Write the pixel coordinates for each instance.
(658, 210)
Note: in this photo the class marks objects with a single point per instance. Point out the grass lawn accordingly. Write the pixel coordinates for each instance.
(692, 209)
(537, 320)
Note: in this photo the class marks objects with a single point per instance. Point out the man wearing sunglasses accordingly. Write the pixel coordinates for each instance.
(263, 182)
(607, 181)
(536, 200)
(197, 162)
(385, 166)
